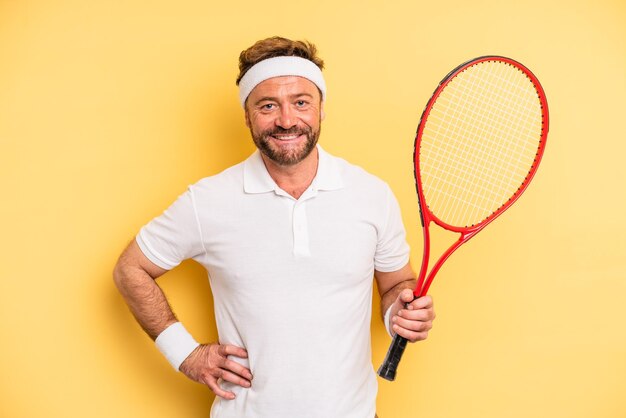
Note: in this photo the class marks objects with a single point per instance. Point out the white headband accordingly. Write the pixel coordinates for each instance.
(278, 67)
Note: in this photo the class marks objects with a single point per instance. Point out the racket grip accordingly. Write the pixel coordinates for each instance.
(389, 367)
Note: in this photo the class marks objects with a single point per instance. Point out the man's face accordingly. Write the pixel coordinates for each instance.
(284, 115)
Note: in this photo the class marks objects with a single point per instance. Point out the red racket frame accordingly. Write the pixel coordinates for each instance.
(426, 216)
(388, 369)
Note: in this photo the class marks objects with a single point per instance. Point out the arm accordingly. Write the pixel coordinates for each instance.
(396, 290)
(135, 276)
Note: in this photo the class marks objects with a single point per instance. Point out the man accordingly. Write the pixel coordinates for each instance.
(291, 239)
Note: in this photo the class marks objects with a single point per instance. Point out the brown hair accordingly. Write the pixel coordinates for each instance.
(276, 47)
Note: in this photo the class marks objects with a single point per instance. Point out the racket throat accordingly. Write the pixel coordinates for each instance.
(433, 272)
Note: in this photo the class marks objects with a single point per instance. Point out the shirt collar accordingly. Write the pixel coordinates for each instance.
(256, 179)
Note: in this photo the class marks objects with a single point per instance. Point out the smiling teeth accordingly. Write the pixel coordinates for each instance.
(287, 137)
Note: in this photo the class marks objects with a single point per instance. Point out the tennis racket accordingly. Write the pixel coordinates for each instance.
(479, 142)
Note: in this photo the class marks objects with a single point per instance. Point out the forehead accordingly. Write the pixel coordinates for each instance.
(284, 86)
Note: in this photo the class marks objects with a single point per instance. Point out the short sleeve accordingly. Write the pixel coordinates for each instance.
(392, 250)
(174, 236)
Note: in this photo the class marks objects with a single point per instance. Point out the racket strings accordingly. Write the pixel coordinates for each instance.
(479, 142)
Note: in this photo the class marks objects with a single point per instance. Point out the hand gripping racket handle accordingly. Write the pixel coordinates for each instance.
(388, 369)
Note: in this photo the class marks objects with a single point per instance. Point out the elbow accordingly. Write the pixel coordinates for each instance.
(120, 274)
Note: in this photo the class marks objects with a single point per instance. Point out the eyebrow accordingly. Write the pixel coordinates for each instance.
(274, 99)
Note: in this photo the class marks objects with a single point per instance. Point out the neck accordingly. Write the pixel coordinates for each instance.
(294, 179)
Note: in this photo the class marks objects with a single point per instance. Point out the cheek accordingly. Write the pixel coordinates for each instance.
(260, 123)
(312, 119)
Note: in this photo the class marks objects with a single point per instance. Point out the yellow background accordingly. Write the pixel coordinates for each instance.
(109, 109)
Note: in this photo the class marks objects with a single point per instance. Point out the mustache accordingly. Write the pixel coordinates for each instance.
(295, 130)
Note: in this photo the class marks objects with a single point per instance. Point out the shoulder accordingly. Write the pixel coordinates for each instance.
(231, 179)
(356, 177)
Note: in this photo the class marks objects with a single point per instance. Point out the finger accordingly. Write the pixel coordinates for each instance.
(416, 315)
(234, 378)
(418, 326)
(406, 296)
(211, 382)
(232, 350)
(423, 302)
(237, 369)
(412, 336)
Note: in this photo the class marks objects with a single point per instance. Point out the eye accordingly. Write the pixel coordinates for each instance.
(267, 107)
(301, 103)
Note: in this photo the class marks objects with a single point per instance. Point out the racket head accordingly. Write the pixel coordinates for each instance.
(479, 142)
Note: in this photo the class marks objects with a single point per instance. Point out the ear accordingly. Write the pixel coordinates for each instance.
(322, 113)
(248, 124)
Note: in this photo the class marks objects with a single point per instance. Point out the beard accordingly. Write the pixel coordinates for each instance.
(286, 156)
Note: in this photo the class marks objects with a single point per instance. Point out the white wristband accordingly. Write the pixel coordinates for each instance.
(387, 320)
(176, 343)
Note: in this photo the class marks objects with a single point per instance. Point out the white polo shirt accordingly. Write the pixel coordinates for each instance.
(291, 280)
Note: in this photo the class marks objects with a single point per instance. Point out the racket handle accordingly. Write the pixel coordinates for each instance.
(389, 367)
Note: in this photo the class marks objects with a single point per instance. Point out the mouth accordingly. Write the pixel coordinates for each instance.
(286, 137)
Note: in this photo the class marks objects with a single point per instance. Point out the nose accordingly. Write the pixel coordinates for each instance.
(286, 119)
